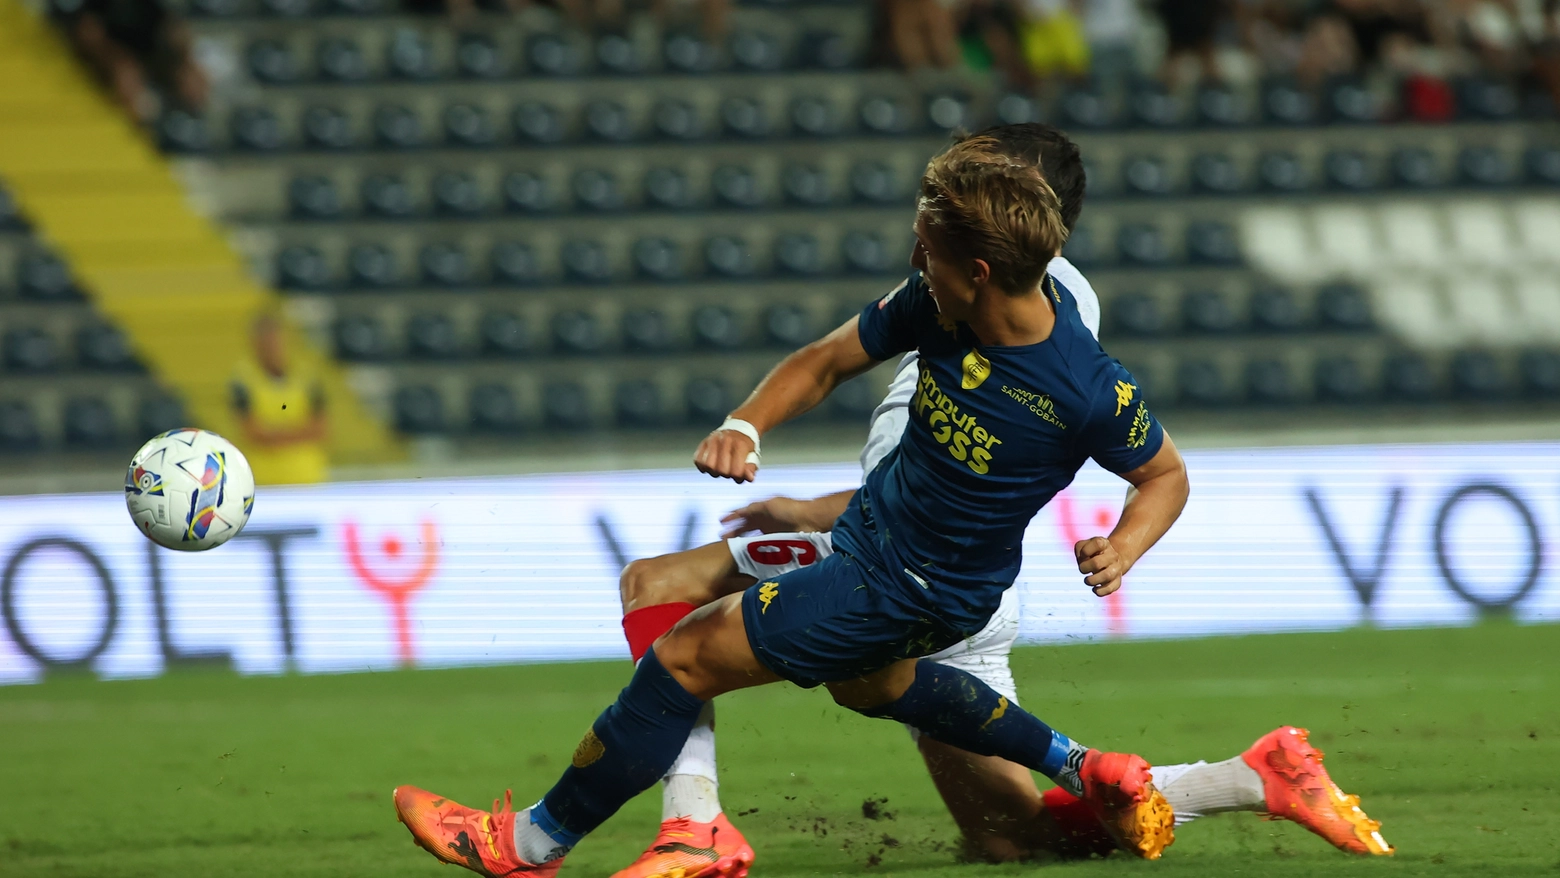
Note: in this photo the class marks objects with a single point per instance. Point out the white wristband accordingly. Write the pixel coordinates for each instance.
(737, 425)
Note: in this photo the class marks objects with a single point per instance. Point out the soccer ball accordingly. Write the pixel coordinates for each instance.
(189, 490)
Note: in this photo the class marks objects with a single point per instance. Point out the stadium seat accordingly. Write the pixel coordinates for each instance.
(30, 350)
(1015, 108)
(798, 253)
(805, 185)
(596, 189)
(1344, 306)
(1270, 382)
(313, 197)
(814, 117)
(757, 51)
(326, 128)
(1208, 311)
(431, 336)
(688, 53)
(477, 57)
(657, 259)
(1415, 168)
(397, 127)
(18, 426)
(1340, 379)
(586, 261)
(1477, 375)
(1215, 173)
(301, 267)
(1142, 244)
(1136, 314)
(1407, 377)
(726, 256)
(565, 405)
(577, 332)
(714, 326)
(1083, 248)
(1202, 383)
(618, 54)
(273, 62)
(1540, 372)
(1348, 170)
(340, 59)
(180, 131)
(552, 55)
(637, 403)
(494, 410)
(950, 112)
(361, 338)
(854, 400)
(826, 50)
(456, 193)
(744, 117)
(536, 122)
(89, 423)
(1219, 105)
(504, 334)
(42, 276)
(874, 182)
(1286, 103)
(102, 346)
(1413, 234)
(444, 264)
(736, 186)
(1351, 100)
(256, 128)
(387, 196)
(1282, 172)
(865, 253)
(1152, 106)
(1210, 242)
(287, 8)
(788, 326)
(158, 414)
(1086, 108)
(885, 115)
(371, 265)
(1484, 166)
(419, 409)
(410, 55)
(525, 192)
(515, 263)
(468, 125)
(1274, 309)
(668, 188)
(1543, 165)
(646, 329)
(1146, 175)
(1487, 98)
(676, 119)
(707, 401)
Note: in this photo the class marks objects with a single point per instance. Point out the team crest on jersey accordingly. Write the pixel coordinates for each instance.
(975, 370)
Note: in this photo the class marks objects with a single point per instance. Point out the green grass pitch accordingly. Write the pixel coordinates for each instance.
(1452, 737)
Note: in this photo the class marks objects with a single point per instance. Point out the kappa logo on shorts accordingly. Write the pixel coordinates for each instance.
(766, 593)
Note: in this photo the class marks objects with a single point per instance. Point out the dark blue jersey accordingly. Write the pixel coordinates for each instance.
(994, 433)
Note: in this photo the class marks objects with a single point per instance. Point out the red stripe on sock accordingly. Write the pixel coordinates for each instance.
(1077, 821)
(644, 625)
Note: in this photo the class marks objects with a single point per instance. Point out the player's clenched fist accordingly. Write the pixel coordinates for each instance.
(727, 454)
(1101, 562)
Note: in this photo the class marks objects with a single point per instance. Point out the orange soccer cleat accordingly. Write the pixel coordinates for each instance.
(1297, 788)
(482, 841)
(1118, 788)
(686, 849)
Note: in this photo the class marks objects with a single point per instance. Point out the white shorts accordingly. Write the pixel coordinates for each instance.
(984, 656)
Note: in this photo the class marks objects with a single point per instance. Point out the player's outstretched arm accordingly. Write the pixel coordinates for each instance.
(787, 515)
(1155, 500)
(800, 382)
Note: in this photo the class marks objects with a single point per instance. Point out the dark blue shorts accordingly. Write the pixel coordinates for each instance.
(836, 620)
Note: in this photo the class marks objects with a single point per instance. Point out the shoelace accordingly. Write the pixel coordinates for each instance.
(508, 805)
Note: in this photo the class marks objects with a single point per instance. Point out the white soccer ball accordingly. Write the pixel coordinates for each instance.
(189, 490)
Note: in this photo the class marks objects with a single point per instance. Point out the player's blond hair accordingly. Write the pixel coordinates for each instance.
(988, 205)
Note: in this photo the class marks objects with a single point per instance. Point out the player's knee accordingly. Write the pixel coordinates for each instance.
(644, 583)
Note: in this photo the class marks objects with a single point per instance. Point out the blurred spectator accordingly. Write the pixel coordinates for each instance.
(1346, 36)
(921, 33)
(1111, 28)
(1052, 39)
(281, 409)
(135, 47)
(1543, 28)
(1191, 27)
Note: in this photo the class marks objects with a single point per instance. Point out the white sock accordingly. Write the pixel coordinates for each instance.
(1200, 789)
(690, 788)
(533, 843)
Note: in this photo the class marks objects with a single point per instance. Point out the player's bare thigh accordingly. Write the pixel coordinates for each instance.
(708, 651)
(695, 576)
(995, 803)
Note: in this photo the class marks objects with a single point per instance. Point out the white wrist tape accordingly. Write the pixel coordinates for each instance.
(737, 425)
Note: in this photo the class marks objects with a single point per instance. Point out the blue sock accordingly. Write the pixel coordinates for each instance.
(628, 749)
(956, 708)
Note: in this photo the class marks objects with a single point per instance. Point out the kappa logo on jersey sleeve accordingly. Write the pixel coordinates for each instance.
(954, 430)
(1123, 395)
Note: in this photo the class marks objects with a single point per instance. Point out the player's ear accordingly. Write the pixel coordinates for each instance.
(980, 272)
